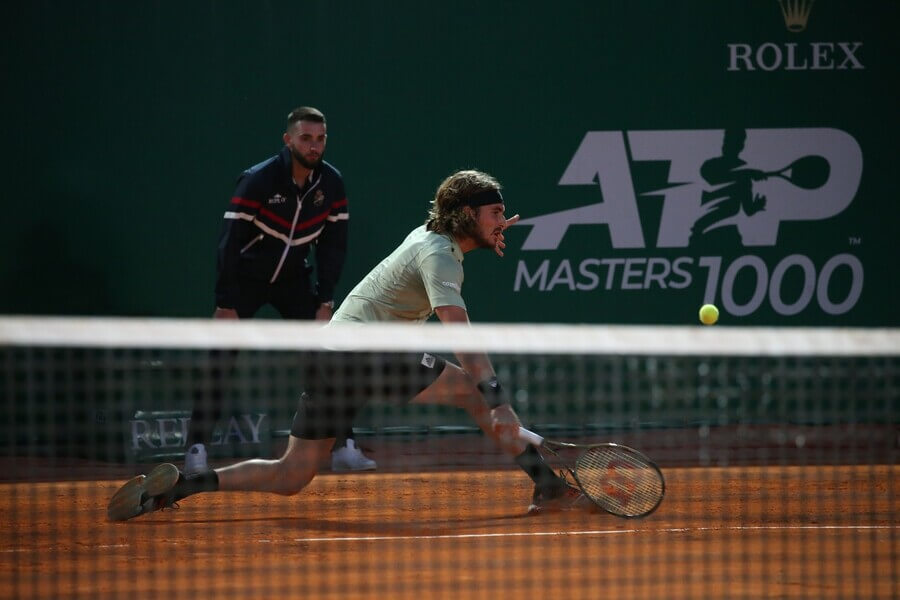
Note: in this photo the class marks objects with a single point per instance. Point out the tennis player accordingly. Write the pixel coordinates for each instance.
(424, 275)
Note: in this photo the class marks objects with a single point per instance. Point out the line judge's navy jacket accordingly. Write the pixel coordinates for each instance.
(271, 223)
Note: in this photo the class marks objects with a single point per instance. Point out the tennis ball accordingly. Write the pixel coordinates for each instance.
(709, 314)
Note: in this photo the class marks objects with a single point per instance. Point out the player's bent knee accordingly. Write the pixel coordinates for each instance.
(300, 463)
(294, 483)
(289, 479)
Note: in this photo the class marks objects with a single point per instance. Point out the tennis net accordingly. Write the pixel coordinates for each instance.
(779, 447)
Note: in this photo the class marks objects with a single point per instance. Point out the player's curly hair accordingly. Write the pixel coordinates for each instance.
(447, 215)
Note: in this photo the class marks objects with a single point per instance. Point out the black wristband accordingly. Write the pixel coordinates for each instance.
(491, 390)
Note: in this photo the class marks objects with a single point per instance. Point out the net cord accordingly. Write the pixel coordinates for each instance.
(524, 338)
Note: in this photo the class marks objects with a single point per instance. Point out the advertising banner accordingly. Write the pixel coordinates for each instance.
(662, 155)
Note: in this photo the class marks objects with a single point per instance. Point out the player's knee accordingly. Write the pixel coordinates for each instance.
(287, 488)
(292, 478)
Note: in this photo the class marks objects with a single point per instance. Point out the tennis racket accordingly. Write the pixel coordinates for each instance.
(618, 479)
(808, 172)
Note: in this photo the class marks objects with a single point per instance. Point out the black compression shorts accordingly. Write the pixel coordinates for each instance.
(340, 384)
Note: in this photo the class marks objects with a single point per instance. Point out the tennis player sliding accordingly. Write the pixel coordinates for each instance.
(423, 275)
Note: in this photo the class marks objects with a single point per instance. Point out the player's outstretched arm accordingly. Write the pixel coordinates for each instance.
(504, 421)
(477, 365)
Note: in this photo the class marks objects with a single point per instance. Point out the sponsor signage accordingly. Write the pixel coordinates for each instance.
(769, 205)
(813, 55)
(152, 435)
(736, 152)
(726, 197)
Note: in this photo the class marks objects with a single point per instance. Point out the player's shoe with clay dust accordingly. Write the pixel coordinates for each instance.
(558, 499)
(144, 494)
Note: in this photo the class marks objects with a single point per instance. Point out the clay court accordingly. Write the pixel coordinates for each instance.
(722, 532)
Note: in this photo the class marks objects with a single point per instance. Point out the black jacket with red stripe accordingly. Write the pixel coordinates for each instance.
(271, 223)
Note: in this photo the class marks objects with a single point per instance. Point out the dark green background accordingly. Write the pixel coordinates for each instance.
(126, 125)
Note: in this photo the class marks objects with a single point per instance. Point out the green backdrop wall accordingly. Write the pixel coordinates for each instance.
(127, 124)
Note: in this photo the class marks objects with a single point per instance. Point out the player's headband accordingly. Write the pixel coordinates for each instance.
(483, 198)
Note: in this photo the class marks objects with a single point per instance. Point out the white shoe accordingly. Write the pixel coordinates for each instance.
(195, 460)
(351, 458)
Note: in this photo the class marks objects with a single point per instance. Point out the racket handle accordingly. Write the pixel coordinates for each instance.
(530, 437)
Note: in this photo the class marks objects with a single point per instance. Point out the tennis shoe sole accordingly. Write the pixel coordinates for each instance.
(143, 494)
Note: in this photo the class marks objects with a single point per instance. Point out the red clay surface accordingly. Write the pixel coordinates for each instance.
(735, 532)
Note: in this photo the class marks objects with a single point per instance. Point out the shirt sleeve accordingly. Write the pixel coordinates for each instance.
(442, 275)
(237, 228)
(331, 246)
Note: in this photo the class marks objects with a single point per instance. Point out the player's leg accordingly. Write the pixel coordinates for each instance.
(165, 485)
(346, 455)
(312, 435)
(287, 475)
(212, 382)
(209, 397)
(294, 299)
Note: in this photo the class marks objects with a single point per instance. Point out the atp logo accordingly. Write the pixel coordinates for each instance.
(726, 189)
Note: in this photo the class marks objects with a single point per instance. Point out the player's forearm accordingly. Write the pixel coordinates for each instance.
(477, 366)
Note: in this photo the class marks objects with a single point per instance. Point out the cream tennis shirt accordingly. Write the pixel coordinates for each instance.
(424, 272)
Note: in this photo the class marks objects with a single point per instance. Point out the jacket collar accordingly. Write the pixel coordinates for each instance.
(287, 163)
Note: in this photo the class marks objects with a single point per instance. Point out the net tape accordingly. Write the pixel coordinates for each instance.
(509, 338)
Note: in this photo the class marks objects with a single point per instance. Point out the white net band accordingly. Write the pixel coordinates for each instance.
(517, 338)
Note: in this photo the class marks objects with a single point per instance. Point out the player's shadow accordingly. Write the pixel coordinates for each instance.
(348, 526)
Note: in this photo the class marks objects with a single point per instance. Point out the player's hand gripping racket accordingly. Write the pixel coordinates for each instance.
(618, 479)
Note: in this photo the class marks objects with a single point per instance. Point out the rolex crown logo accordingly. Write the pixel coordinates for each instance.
(796, 13)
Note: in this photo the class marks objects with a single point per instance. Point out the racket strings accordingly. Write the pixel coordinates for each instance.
(620, 481)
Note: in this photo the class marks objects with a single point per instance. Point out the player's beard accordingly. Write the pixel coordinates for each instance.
(303, 161)
(469, 227)
(486, 242)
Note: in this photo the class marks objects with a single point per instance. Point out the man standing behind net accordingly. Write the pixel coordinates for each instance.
(424, 275)
(282, 209)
